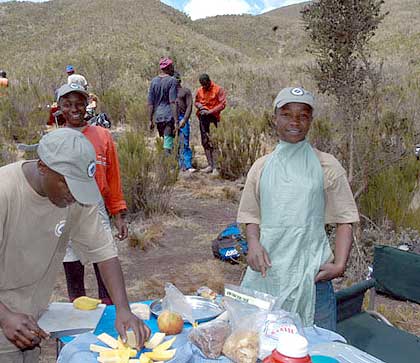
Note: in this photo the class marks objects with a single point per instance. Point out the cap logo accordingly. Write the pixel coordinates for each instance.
(297, 92)
(74, 86)
(91, 170)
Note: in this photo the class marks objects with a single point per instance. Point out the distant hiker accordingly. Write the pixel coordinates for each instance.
(184, 104)
(4, 82)
(162, 103)
(92, 105)
(210, 101)
(42, 202)
(72, 101)
(75, 78)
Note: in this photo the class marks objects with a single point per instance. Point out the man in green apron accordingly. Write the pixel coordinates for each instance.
(289, 197)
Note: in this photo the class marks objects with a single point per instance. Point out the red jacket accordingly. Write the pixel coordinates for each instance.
(213, 99)
(107, 168)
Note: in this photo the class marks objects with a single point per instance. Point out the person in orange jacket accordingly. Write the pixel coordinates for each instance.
(73, 109)
(4, 82)
(210, 101)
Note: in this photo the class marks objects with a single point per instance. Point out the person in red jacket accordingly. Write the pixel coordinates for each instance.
(210, 101)
(73, 108)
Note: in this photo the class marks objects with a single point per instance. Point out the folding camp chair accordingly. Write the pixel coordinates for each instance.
(369, 330)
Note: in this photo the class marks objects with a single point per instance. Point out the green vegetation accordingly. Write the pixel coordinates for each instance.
(148, 175)
(239, 142)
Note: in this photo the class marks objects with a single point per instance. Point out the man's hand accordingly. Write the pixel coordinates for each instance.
(204, 112)
(151, 125)
(22, 330)
(126, 320)
(121, 227)
(258, 258)
(182, 123)
(329, 271)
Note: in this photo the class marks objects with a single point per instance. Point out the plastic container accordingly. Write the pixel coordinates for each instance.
(323, 359)
(291, 348)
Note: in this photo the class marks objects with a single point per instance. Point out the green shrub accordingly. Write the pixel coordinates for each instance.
(137, 114)
(22, 115)
(239, 142)
(148, 175)
(389, 195)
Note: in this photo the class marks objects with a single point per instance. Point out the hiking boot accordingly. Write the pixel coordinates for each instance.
(215, 173)
(191, 170)
(207, 170)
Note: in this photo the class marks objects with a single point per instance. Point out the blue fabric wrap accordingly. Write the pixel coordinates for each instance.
(76, 349)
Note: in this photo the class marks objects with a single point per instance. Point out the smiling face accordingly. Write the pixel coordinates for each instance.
(73, 109)
(54, 187)
(293, 121)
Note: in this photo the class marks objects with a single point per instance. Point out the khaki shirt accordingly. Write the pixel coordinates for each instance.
(340, 206)
(30, 252)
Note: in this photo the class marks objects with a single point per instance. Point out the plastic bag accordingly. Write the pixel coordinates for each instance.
(255, 298)
(175, 301)
(243, 345)
(248, 320)
(276, 323)
(210, 337)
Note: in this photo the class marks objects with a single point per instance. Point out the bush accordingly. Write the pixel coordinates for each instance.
(389, 195)
(148, 175)
(239, 142)
(22, 115)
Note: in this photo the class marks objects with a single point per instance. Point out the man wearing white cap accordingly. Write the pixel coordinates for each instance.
(289, 197)
(42, 204)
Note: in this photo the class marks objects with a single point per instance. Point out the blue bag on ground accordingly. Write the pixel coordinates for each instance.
(230, 244)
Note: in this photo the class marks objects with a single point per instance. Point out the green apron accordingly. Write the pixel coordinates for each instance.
(292, 228)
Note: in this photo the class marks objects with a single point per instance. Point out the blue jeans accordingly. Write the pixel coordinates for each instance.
(325, 306)
(185, 152)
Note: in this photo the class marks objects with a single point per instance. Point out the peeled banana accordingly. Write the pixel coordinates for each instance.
(86, 303)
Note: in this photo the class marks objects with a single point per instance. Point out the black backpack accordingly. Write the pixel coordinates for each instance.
(230, 244)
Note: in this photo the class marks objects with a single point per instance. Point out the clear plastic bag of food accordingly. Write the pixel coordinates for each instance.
(250, 320)
(175, 301)
(210, 337)
(242, 345)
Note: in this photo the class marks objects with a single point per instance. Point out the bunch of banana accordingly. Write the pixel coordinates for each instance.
(86, 303)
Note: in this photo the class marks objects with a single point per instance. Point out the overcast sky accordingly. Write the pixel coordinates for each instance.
(197, 9)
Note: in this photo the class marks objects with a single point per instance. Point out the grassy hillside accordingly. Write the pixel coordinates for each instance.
(116, 44)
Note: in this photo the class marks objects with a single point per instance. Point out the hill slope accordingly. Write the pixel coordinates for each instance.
(116, 44)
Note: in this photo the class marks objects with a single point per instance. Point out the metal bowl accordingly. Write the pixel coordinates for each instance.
(203, 309)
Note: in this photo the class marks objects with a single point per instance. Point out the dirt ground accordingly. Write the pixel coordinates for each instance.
(177, 248)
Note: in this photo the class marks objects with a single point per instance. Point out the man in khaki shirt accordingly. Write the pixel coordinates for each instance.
(293, 109)
(39, 199)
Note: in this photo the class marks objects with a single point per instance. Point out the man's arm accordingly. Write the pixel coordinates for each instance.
(188, 102)
(174, 110)
(173, 94)
(21, 329)
(257, 257)
(343, 242)
(150, 111)
(221, 96)
(113, 278)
